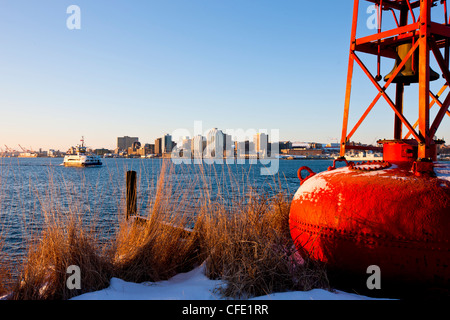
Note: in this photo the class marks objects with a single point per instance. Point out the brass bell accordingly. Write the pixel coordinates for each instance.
(408, 74)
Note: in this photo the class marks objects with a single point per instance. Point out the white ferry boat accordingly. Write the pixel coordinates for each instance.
(81, 158)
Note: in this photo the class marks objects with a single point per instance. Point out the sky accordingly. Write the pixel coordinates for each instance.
(147, 68)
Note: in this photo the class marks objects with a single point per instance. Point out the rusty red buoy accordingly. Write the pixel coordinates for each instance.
(389, 217)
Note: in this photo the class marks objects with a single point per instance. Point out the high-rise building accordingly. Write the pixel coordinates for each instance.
(197, 147)
(228, 149)
(261, 143)
(167, 143)
(214, 143)
(243, 148)
(158, 146)
(149, 148)
(123, 143)
(186, 143)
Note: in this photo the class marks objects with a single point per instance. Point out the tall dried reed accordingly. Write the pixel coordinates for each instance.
(250, 249)
(156, 246)
(63, 243)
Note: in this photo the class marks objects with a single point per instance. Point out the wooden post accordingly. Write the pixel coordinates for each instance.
(131, 194)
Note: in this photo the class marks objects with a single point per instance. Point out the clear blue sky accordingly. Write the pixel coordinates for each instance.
(145, 68)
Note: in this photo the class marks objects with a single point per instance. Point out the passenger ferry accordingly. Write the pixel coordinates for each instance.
(81, 158)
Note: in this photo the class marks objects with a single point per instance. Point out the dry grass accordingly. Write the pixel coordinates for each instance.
(157, 247)
(153, 251)
(6, 278)
(62, 244)
(245, 242)
(252, 251)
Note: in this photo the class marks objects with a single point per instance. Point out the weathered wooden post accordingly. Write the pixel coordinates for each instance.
(131, 194)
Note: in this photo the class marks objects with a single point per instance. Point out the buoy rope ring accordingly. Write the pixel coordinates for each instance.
(300, 177)
(369, 165)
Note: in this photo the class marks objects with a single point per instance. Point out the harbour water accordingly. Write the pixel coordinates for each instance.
(33, 188)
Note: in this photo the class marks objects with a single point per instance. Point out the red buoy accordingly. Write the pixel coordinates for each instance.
(393, 214)
(358, 216)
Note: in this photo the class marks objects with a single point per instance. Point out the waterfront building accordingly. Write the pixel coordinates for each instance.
(245, 149)
(186, 143)
(149, 148)
(167, 143)
(158, 146)
(197, 147)
(261, 144)
(101, 151)
(214, 143)
(185, 147)
(123, 143)
(228, 146)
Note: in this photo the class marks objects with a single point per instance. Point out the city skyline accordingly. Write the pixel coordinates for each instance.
(213, 143)
(139, 69)
(211, 138)
(114, 146)
(115, 142)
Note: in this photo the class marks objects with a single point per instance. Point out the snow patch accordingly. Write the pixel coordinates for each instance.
(310, 186)
(194, 285)
(442, 170)
(373, 173)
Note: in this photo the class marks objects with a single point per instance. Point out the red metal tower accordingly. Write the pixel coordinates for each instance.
(409, 44)
(393, 214)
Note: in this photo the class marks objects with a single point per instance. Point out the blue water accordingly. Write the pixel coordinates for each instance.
(31, 189)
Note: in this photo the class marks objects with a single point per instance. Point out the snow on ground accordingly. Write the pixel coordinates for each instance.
(194, 285)
(442, 170)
